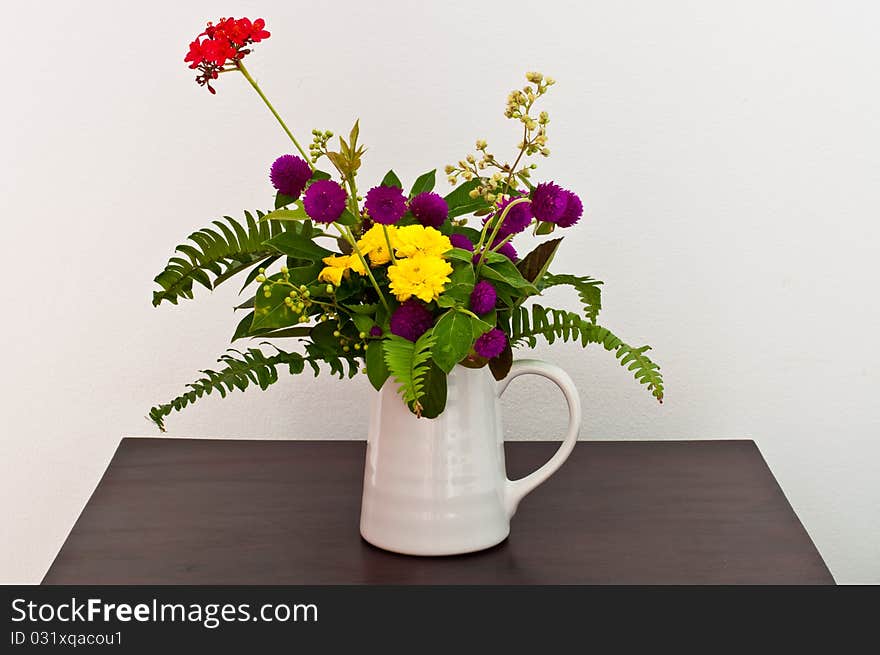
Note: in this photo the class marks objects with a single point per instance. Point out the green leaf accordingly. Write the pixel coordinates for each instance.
(461, 284)
(535, 264)
(453, 338)
(217, 252)
(295, 214)
(460, 254)
(243, 329)
(282, 200)
(434, 401)
(508, 273)
(355, 133)
(347, 218)
(470, 208)
(294, 245)
(305, 274)
(459, 196)
(391, 179)
(363, 309)
(320, 175)
(408, 363)
(424, 182)
(588, 290)
(377, 369)
(271, 311)
(363, 322)
(239, 371)
(545, 228)
(553, 324)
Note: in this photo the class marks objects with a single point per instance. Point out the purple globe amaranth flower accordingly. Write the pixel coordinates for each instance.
(483, 297)
(429, 209)
(461, 241)
(518, 217)
(385, 204)
(324, 201)
(574, 209)
(411, 320)
(490, 344)
(506, 249)
(548, 202)
(375, 331)
(289, 175)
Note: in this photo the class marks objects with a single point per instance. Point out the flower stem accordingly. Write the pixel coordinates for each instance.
(253, 83)
(348, 236)
(388, 243)
(498, 223)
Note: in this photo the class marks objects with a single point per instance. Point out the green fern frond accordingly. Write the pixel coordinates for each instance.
(241, 370)
(587, 288)
(553, 324)
(408, 364)
(217, 252)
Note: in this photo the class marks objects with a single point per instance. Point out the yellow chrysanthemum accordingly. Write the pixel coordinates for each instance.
(415, 240)
(374, 245)
(336, 267)
(420, 276)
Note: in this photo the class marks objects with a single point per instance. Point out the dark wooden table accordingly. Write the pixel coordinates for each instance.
(286, 512)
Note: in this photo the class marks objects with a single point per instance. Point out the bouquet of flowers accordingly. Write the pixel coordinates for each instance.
(392, 283)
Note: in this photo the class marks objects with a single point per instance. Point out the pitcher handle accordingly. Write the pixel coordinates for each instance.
(516, 490)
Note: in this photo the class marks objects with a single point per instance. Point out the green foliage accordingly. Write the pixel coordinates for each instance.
(506, 272)
(434, 400)
(408, 364)
(587, 288)
(459, 201)
(298, 244)
(453, 337)
(296, 214)
(391, 179)
(424, 182)
(377, 369)
(241, 370)
(553, 324)
(216, 254)
(348, 159)
(461, 283)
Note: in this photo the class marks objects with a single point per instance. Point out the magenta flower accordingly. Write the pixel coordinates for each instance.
(411, 320)
(548, 202)
(574, 208)
(517, 219)
(385, 204)
(429, 209)
(507, 250)
(324, 201)
(461, 241)
(490, 344)
(483, 297)
(289, 175)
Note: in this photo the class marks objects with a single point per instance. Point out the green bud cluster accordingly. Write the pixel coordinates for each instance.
(318, 146)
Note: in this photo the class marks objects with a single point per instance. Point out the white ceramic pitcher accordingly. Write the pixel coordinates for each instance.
(439, 486)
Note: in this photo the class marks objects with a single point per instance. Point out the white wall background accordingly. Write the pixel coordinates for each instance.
(728, 153)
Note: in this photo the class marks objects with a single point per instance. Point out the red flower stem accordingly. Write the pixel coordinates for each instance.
(259, 91)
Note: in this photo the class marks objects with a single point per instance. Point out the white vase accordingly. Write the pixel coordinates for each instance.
(439, 486)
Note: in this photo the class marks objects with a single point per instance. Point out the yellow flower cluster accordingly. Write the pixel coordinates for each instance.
(417, 269)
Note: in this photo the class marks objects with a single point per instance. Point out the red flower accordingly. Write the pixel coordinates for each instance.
(223, 44)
